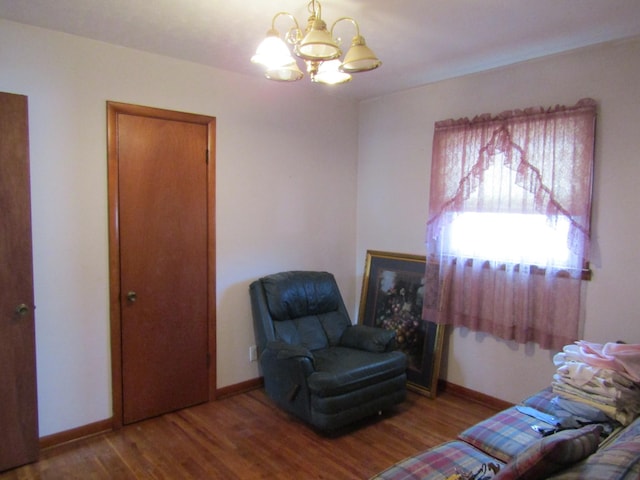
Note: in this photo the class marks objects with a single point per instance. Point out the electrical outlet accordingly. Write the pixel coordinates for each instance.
(253, 353)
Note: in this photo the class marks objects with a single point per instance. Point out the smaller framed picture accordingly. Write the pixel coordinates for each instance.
(393, 295)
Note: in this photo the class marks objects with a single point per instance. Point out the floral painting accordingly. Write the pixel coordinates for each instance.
(393, 293)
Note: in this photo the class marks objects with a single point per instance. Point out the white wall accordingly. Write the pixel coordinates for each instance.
(393, 187)
(284, 199)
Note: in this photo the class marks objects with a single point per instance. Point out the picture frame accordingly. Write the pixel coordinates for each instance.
(393, 297)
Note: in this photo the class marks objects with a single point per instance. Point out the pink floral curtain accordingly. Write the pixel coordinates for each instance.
(509, 222)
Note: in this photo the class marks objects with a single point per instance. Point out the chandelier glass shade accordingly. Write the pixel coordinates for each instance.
(317, 48)
(284, 73)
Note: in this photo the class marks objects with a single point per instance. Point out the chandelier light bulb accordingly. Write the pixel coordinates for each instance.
(329, 73)
(272, 52)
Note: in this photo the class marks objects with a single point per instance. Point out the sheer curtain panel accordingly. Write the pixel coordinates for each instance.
(509, 222)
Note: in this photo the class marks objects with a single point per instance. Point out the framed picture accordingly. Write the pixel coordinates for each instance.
(393, 296)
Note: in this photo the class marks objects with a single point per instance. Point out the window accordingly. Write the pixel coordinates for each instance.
(510, 195)
(511, 237)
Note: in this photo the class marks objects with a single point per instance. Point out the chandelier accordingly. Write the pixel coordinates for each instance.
(317, 48)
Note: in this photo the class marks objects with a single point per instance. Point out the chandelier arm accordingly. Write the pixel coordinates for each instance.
(286, 14)
(349, 19)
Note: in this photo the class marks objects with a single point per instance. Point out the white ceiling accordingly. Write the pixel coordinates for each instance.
(418, 41)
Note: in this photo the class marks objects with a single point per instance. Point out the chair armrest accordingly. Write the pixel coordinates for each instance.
(372, 339)
(280, 357)
(286, 368)
(285, 351)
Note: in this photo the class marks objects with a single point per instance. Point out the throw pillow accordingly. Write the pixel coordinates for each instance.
(552, 453)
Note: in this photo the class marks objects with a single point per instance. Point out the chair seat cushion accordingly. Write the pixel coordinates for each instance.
(341, 370)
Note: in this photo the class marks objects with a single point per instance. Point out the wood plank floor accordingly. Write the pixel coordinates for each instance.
(246, 437)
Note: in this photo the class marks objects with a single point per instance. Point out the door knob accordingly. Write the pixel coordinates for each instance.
(22, 310)
(132, 296)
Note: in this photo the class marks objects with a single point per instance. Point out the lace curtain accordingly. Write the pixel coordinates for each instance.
(509, 221)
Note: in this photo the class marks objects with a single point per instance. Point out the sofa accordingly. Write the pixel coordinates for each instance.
(541, 438)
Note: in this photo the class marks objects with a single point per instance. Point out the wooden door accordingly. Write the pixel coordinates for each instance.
(165, 277)
(18, 399)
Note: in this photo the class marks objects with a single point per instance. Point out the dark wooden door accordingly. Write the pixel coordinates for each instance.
(18, 399)
(163, 228)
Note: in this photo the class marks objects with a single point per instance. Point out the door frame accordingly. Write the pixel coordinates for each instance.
(114, 109)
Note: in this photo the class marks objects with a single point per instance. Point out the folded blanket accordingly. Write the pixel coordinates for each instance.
(580, 411)
(580, 370)
(620, 357)
(623, 413)
(604, 376)
(601, 381)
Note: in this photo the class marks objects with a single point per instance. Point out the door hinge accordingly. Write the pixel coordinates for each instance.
(207, 158)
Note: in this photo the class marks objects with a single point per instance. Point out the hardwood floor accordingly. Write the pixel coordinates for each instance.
(246, 437)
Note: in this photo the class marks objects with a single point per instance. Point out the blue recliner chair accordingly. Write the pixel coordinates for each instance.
(316, 364)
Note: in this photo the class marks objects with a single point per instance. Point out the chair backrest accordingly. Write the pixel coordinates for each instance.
(298, 307)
